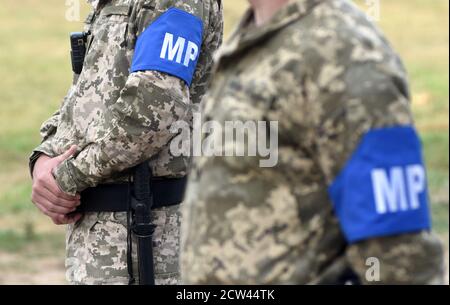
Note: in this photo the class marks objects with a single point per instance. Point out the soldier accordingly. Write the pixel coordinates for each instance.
(147, 64)
(347, 199)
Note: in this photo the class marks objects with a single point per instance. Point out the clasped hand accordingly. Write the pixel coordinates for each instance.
(48, 196)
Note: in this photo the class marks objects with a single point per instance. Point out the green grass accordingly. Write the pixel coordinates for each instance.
(440, 219)
(13, 241)
(35, 74)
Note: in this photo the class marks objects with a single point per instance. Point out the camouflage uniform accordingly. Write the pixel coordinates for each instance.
(119, 119)
(327, 75)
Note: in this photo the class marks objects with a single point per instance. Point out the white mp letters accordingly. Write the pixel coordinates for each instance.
(400, 189)
(174, 52)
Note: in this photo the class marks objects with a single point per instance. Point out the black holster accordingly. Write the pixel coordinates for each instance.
(141, 224)
(137, 199)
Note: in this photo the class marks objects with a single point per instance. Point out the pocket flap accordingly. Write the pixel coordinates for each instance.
(116, 10)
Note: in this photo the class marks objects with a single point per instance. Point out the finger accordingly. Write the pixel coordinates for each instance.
(70, 204)
(45, 211)
(68, 219)
(57, 219)
(69, 153)
(41, 208)
(50, 207)
(77, 217)
(73, 218)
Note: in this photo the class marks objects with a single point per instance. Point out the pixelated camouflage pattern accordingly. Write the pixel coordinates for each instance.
(94, 3)
(118, 120)
(327, 75)
(97, 249)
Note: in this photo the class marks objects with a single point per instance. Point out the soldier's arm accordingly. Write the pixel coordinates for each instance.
(139, 126)
(370, 155)
(47, 131)
(213, 40)
(155, 96)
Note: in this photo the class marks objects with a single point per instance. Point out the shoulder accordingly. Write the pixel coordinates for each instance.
(337, 45)
(199, 9)
(206, 12)
(338, 31)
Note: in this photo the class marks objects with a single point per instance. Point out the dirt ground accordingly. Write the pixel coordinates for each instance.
(41, 271)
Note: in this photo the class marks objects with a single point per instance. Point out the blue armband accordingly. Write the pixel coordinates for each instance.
(382, 190)
(171, 44)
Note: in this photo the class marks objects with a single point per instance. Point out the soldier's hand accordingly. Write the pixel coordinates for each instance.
(60, 219)
(47, 195)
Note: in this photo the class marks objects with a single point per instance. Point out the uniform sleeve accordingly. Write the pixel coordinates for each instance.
(155, 96)
(370, 155)
(138, 128)
(47, 131)
(213, 40)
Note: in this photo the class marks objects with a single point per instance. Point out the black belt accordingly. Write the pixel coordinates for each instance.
(115, 197)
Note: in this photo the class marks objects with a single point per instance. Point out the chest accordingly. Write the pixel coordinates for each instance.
(107, 44)
(242, 89)
(262, 84)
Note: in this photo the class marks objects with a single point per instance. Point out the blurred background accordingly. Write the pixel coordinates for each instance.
(35, 74)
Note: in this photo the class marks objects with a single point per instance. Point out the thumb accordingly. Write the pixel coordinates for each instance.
(69, 153)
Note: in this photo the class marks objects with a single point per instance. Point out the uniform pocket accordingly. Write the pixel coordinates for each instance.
(116, 20)
(108, 34)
